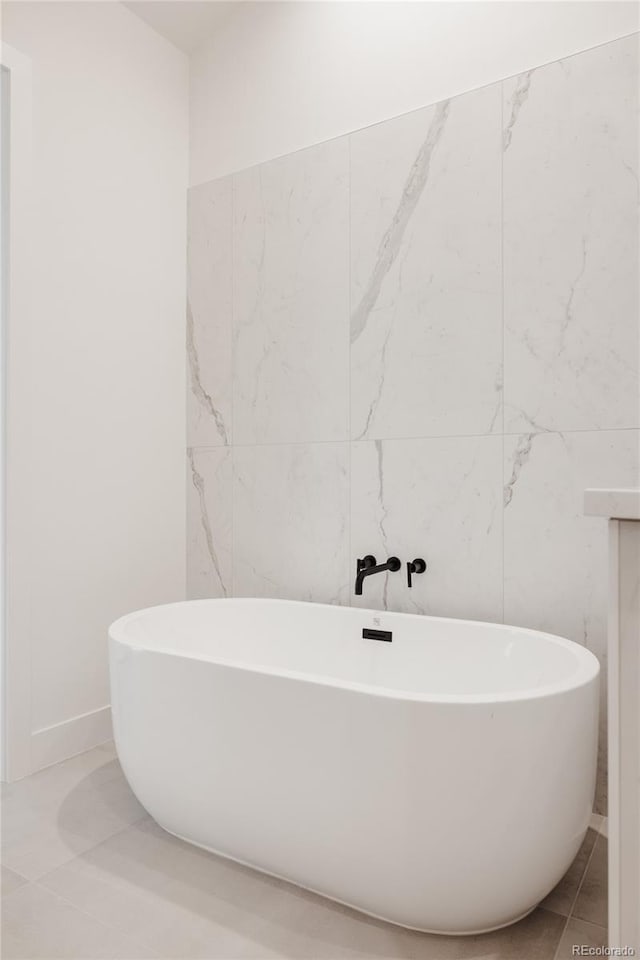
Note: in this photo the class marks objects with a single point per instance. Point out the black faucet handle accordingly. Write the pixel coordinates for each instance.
(415, 566)
(366, 562)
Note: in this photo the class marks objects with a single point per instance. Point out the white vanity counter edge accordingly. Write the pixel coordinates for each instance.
(617, 504)
(622, 508)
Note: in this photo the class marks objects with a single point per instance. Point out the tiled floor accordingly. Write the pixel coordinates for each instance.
(85, 873)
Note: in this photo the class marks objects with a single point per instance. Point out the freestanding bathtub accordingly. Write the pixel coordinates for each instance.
(440, 778)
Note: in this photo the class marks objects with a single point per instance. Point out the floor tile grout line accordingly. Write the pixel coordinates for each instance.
(91, 849)
(570, 916)
(91, 916)
(16, 873)
(589, 923)
(596, 926)
(582, 878)
(564, 930)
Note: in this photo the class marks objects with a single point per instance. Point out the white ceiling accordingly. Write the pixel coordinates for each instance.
(186, 23)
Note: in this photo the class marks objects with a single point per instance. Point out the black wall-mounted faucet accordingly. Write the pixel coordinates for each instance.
(368, 566)
(416, 566)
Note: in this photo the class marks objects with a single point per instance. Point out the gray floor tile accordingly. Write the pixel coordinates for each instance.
(187, 903)
(111, 883)
(562, 897)
(345, 933)
(534, 938)
(592, 902)
(37, 925)
(580, 933)
(51, 817)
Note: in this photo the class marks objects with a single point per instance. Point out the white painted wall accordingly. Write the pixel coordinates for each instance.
(280, 76)
(4, 304)
(97, 364)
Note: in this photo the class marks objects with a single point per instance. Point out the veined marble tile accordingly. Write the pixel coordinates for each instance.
(209, 522)
(291, 298)
(439, 499)
(290, 536)
(555, 558)
(426, 321)
(571, 243)
(209, 338)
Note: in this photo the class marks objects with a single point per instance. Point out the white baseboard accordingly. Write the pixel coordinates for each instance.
(66, 739)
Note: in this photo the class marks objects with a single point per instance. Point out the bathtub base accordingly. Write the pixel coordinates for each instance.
(351, 906)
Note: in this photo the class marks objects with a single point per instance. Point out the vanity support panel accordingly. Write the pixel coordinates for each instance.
(624, 733)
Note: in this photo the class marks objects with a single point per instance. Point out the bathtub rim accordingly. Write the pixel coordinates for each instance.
(587, 664)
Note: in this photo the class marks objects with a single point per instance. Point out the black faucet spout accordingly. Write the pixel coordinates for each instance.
(368, 566)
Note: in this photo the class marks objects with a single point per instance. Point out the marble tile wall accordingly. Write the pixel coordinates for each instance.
(422, 339)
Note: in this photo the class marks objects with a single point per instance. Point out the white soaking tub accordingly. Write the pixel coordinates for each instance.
(442, 781)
